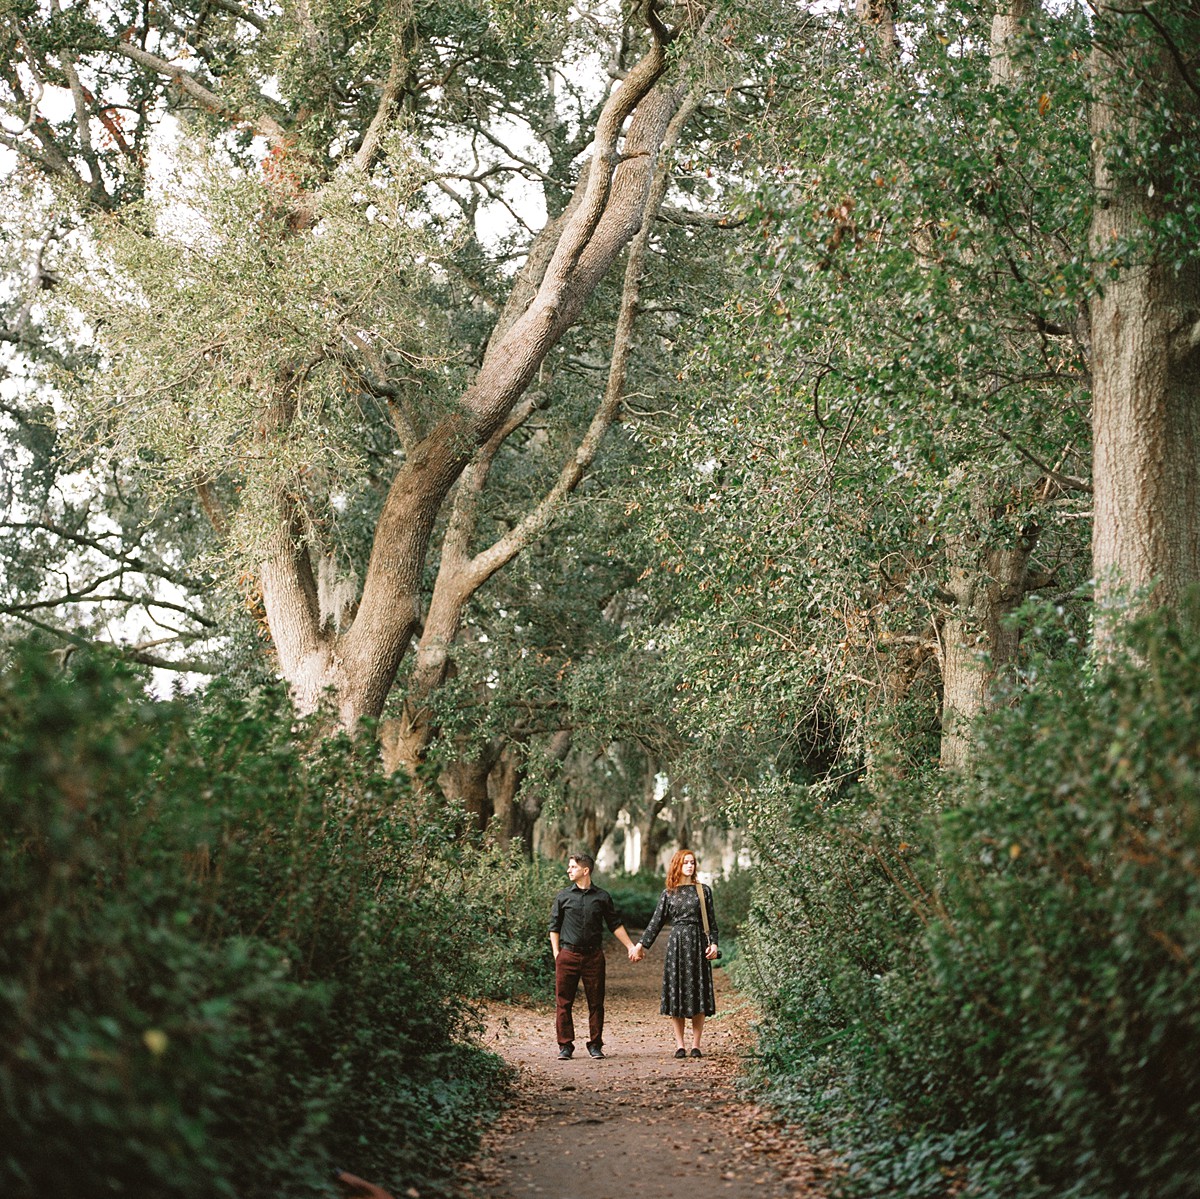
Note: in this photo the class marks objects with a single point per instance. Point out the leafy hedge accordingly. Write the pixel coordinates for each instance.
(229, 962)
(996, 991)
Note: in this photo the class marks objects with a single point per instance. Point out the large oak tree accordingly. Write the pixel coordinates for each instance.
(296, 278)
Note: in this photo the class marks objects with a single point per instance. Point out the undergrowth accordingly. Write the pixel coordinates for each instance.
(233, 954)
(990, 988)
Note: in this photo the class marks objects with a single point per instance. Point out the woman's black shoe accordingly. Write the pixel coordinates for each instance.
(681, 1052)
(696, 1053)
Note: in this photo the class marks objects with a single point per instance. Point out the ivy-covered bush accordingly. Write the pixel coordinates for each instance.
(997, 989)
(831, 925)
(230, 961)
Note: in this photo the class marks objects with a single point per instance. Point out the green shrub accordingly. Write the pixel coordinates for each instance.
(1069, 962)
(997, 989)
(506, 899)
(733, 896)
(228, 962)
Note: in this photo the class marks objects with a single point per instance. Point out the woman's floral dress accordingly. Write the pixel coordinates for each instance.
(687, 988)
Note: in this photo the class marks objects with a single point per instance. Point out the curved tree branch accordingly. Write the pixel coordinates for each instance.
(611, 210)
(209, 100)
(460, 577)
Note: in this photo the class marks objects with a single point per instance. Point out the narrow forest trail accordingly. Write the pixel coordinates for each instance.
(638, 1123)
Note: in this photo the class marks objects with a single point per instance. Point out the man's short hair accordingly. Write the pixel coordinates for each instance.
(585, 860)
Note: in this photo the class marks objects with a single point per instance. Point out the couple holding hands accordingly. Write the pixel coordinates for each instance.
(578, 918)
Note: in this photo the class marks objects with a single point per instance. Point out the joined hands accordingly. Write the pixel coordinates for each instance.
(636, 953)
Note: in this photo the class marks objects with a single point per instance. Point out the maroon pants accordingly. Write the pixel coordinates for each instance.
(569, 969)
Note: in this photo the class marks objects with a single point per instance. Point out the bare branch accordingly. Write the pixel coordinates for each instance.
(1067, 482)
(403, 418)
(672, 214)
(209, 100)
(80, 98)
(523, 164)
(97, 542)
(128, 653)
(31, 102)
(1172, 46)
(242, 13)
(89, 596)
(391, 90)
(213, 508)
(50, 157)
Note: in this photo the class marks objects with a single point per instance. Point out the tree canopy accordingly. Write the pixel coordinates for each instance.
(775, 332)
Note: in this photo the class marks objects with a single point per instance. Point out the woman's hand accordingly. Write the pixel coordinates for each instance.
(711, 953)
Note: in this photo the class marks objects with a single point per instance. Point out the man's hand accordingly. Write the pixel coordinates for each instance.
(636, 953)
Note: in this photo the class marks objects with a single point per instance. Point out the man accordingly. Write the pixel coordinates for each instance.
(577, 920)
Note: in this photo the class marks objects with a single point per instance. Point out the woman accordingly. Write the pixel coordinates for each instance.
(687, 989)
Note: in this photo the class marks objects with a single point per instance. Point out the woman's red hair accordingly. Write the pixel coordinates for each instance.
(675, 869)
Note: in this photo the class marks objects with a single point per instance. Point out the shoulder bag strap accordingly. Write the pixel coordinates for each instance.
(703, 910)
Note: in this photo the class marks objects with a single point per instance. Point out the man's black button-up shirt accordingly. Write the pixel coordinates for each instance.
(579, 916)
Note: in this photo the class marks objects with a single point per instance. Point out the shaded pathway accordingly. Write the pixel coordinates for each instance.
(638, 1123)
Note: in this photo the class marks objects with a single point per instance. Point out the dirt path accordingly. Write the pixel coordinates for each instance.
(638, 1123)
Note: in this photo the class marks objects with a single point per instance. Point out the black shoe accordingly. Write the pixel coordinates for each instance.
(566, 1052)
(697, 1053)
(595, 1051)
(681, 1052)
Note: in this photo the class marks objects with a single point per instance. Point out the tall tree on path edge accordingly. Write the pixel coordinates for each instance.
(356, 662)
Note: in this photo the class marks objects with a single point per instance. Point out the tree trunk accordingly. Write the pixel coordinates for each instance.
(465, 781)
(460, 573)
(1145, 319)
(513, 814)
(880, 14)
(986, 582)
(977, 642)
(653, 832)
(1006, 30)
(549, 842)
(592, 827)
